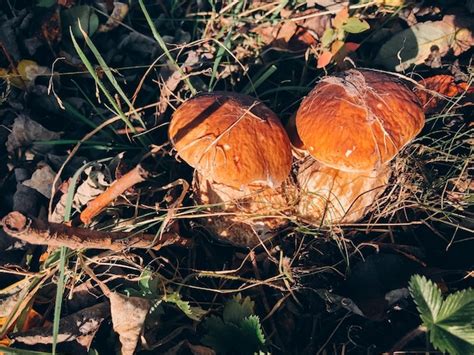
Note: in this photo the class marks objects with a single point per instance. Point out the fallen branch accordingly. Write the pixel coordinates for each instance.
(35, 231)
(136, 175)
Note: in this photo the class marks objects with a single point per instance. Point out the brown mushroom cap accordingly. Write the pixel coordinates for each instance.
(232, 139)
(329, 196)
(358, 120)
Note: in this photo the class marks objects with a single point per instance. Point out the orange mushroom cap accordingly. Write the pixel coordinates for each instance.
(232, 139)
(358, 120)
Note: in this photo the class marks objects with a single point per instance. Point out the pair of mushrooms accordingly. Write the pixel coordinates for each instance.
(344, 134)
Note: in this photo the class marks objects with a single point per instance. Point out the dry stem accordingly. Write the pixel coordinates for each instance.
(35, 231)
(133, 177)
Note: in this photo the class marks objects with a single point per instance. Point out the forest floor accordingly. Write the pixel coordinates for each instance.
(82, 105)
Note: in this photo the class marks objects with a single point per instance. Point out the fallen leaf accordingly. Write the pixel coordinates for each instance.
(294, 35)
(344, 51)
(324, 59)
(98, 180)
(12, 295)
(442, 84)
(45, 3)
(8, 33)
(375, 277)
(51, 28)
(42, 180)
(75, 327)
(25, 74)
(172, 77)
(286, 31)
(26, 200)
(200, 349)
(336, 46)
(15, 302)
(328, 37)
(184, 345)
(85, 15)
(25, 132)
(391, 3)
(355, 25)
(128, 319)
(66, 3)
(341, 17)
(29, 70)
(116, 17)
(415, 44)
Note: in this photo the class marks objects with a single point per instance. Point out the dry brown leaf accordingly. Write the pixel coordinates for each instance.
(172, 77)
(80, 326)
(128, 319)
(442, 84)
(294, 35)
(116, 17)
(25, 132)
(51, 28)
(420, 42)
(42, 180)
(200, 350)
(11, 296)
(184, 345)
(97, 181)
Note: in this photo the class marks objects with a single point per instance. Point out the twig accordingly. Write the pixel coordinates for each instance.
(35, 231)
(136, 175)
(407, 338)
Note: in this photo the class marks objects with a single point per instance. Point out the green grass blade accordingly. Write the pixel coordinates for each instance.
(59, 296)
(108, 74)
(261, 77)
(102, 87)
(217, 61)
(163, 46)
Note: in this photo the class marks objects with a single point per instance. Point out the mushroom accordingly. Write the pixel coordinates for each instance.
(242, 158)
(352, 125)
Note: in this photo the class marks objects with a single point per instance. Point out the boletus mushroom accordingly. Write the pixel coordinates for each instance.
(242, 158)
(352, 125)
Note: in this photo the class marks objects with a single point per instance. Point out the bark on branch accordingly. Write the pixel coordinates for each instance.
(35, 231)
(136, 175)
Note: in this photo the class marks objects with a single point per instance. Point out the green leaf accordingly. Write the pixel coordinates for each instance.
(327, 37)
(239, 331)
(355, 25)
(252, 329)
(237, 309)
(450, 322)
(194, 313)
(87, 17)
(427, 297)
(220, 336)
(45, 3)
(148, 283)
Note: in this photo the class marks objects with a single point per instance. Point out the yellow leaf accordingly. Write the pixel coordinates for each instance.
(336, 46)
